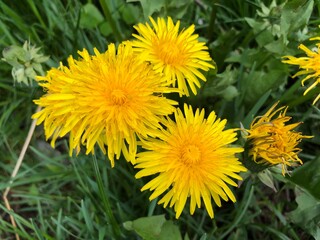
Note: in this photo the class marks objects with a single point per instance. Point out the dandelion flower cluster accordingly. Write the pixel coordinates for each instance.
(309, 65)
(273, 141)
(192, 158)
(106, 99)
(116, 100)
(179, 56)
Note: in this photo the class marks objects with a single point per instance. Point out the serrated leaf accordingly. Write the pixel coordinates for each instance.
(307, 214)
(261, 30)
(295, 14)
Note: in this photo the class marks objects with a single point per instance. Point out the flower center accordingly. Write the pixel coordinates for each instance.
(191, 154)
(170, 53)
(118, 97)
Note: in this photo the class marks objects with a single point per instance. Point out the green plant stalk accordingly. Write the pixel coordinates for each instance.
(36, 13)
(111, 21)
(37, 230)
(289, 94)
(247, 198)
(105, 199)
(7, 33)
(213, 16)
(305, 98)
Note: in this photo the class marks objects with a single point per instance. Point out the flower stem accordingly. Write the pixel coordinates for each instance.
(105, 200)
(212, 20)
(244, 205)
(113, 24)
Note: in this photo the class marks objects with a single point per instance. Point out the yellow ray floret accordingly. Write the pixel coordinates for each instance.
(191, 158)
(106, 99)
(309, 65)
(179, 56)
(272, 141)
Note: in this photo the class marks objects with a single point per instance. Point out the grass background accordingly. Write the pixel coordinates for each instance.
(55, 196)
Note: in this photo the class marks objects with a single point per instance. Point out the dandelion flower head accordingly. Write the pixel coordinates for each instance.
(191, 158)
(177, 55)
(273, 141)
(309, 65)
(106, 99)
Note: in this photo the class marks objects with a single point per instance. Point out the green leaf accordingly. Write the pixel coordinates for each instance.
(239, 233)
(105, 28)
(148, 228)
(307, 214)
(308, 177)
(278, 47)
(220, 85)
(170, 231)
(229, 93)
(204, 237)
(266, 178)
(37, 230)
(259, 82)
(154, 228)
(150, 6)
(90, 16)
(86, 216)
(130, 14)
(222, 46)
(177, 8)
(295, 14)
(255, 109)
(261, 31)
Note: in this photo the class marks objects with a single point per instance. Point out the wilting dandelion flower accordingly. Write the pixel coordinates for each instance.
(310, 65)
(192, 159)
(105, 99)
(177, 55)
(273, 142)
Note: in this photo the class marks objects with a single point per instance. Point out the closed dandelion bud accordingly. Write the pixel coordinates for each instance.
(271, 141)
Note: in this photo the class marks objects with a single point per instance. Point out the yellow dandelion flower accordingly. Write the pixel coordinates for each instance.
(191, 158)
(273, 142)
(310, 65)
(106, 99)
(177, 55)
